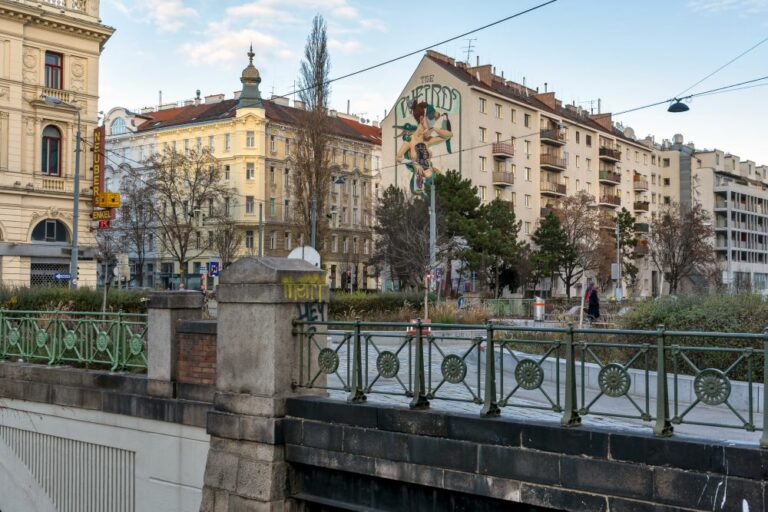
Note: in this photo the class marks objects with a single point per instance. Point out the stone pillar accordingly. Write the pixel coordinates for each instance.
(256, 365)
(165, 310)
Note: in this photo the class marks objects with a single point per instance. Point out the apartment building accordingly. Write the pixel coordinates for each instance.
(49, 72)
(525, 147)
(254, 140)
(735, 192)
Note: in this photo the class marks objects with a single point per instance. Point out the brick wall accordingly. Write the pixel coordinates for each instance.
(197, 353)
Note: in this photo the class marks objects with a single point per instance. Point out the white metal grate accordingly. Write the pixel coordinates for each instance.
(77, 476)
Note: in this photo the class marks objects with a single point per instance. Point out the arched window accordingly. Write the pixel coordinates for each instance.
(50, 230)
(51, 161)
(117, 127)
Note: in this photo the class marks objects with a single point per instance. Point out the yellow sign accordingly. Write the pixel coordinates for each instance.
(108, 200)
(101, 214)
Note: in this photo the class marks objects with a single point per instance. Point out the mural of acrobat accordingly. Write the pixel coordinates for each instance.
(418, 138)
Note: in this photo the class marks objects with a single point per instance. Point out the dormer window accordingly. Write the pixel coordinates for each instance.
(118, 126)
(53, 70)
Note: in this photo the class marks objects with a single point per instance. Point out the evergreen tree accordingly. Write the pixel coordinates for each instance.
(551, 248)
(628, 242)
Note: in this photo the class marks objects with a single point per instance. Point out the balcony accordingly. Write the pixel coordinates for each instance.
(554, 136)
(642, 206)
(640, 184)
(607, 176)
(610, 154)
(508, 204)
(503, 178)
(74, 5)
(552, 162)
(502, 150)
(551, 188)
(610, 200)
(642, 227)
(60, 94)
(641, 249)
(545, 211)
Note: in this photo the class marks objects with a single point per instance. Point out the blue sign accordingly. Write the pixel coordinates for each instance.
(62, 276)
(213, 268)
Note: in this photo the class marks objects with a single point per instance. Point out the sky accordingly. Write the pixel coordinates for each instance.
(624, 53)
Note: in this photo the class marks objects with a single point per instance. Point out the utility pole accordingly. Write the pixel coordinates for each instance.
(261, 228)
(75, 210)
(618, 293)
(313, 219)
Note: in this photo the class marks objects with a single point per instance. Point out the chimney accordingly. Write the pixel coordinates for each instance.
(545, 87)
(375, 124)
(299, 104)
(477, 60)
(214, 98)
(547, 98)
(197, 97)
(147, 110)
(347, 107)
(187, 103)
(167, 106)
(280, 100)
(604, 120)
(236, 95)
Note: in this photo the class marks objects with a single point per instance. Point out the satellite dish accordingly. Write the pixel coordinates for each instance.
(306, 253)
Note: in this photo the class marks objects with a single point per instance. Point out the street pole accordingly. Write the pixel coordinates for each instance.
(261, 227)
(432, 229)
(75, 210)
(313, 220)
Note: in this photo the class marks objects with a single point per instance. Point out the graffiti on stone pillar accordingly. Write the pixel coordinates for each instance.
(310, 312)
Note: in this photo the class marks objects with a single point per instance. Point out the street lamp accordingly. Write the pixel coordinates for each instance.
(52, 100)
(678, 106)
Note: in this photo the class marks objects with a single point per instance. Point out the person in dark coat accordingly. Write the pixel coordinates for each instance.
(593, 303)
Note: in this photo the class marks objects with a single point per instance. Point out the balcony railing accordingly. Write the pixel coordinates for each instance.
(610, 176)
(642, 227)
(641, 249)
(503, 178)
(610, 153)
(640, 184)
(549, 187)
(74, 5)
(553, 135)
(642, 206)
(610, 200)
(545, 211)
(552, 161)
(60, 94)
(503, 149)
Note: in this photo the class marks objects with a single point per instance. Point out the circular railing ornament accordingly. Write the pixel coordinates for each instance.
(387, 364)
(327, 360)
(136, 344)
(69, 340)
(14, 336)
(528, 374)
(41, 338)
(614, 380)
(102, 340)
(454, 369)
(711, 386)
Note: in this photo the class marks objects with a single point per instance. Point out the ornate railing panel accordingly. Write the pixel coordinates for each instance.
(117, 340)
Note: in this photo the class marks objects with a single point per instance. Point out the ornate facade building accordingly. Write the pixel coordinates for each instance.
(49, 71)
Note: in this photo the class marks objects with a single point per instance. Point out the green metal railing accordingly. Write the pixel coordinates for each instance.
(117, 340)
(660, 376)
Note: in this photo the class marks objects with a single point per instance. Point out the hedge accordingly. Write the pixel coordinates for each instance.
(80, 299)
(373, 306)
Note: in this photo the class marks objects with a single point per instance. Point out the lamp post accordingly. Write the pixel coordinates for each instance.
(52, 100)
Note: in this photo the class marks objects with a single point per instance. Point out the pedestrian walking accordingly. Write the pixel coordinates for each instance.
(593, 303)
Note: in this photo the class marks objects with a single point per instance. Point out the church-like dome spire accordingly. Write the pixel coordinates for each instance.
(250, 96)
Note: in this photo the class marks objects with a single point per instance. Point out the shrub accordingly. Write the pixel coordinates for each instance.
(375, 306)
(64, 299)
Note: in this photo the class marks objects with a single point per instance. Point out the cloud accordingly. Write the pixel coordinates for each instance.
(718, 6)
(165, 15)
(223, 46)
(347, 47)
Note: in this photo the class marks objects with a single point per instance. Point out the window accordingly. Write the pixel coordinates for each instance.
(589, 164)
(527, 174)
(366, 246)
(482, 163)
(577, 161)
(51, 161)
(653, 159)
(344, 215)
(589, 188)
(481, 190)
(227, 142)
(250, 172)
(637, 156)
(375, 163)
(665, 162)
(482, 105)
(334, 243)
(513, 115)
(199, 144)
(354, 216)
(645, 160)
(287, 178)
(344, 157)
(498, 111)
(250, 139)
(653, 179)
(226, 172)
(186, 146)
(210, 207)
(667, 200)
(345, 245)
(653, 197)
(287, 146)
(578, 136)
(53, 70)
(118, 126)
(210, 143)
(588, 140)
(354, 245)
(498, 137)
(286, 209)
(354, 187)
(666, 182)
(527, 200)
(527, 228)
(227, 205)
(482, 134)
(249, 204)
(578, 185)
(272, 177)
(50, 230)
(497, 193)
(273, 240)
(249, 239)
(527, 148)
(287, 241)
(272, 207)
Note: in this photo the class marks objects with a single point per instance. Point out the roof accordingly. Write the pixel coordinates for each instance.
(514, 94)
(207, 112)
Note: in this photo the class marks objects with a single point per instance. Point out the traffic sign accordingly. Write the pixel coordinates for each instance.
(62, 276)
(213, 268)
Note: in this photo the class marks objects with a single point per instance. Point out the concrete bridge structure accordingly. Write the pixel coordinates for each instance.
(218, 423)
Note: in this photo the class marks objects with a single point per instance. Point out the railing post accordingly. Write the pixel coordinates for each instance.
(356, 394)
(764, 437)
(663, 427)
(571, 416)
(3, 338)
(419, 400)
(490, 402)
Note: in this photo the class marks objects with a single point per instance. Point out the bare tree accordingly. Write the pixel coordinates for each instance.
(311, 178)
(680, 244)
(182, 186)
(136, 219)
(579, 220)
(227, 236)
(108, 243)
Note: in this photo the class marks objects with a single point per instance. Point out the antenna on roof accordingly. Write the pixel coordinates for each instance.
(468, 49)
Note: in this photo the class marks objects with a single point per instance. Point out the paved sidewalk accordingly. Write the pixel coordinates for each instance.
(532, 404)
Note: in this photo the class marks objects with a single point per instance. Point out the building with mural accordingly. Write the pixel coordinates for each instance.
(49, 71)
(254, 142)
(521, 145)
